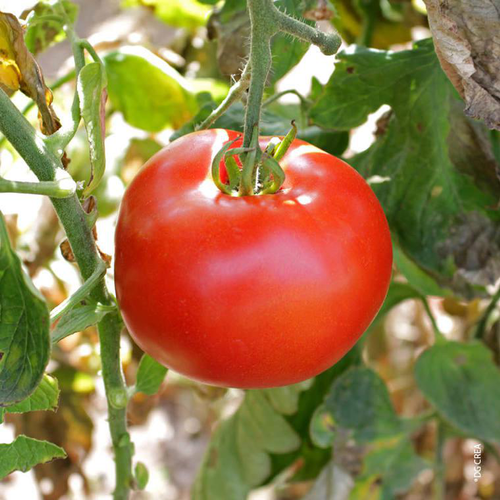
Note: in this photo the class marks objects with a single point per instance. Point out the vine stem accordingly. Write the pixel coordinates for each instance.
(46, 166)
(265, 21)
(81, 293)
(235, 93)
(279, 95)
(483, 322)
(438, 334)
(263, 28)
(439, 467)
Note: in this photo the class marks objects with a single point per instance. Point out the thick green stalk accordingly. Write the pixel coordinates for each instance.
(45, 165)
(329, 43)
(263, 29)
(266, 20)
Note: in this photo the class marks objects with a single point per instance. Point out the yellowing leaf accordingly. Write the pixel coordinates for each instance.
(10, 75)
(20, 71)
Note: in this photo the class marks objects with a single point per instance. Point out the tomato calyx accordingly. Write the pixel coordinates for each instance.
(250, 171)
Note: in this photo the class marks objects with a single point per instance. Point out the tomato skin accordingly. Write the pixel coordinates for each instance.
(255, 291)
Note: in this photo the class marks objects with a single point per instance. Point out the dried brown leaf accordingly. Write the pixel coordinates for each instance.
(467, 40)
(20, 71)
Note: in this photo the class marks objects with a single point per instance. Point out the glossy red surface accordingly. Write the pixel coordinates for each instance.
(256, 291)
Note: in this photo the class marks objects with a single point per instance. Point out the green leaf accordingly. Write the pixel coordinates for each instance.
(24, 327)
(313, 457)
(365, 79)
(359, 401)
(416, 276)
(265, 436)
(91, 87)
(42, 33)
(238, 456)
(436, 210)
(24, 453)
(189, 14)
(463, 383)
(150, 375)
(330, 141)
(77, 319)
(150, 93)
(389, 468)
(45, 397)
(334, 483)
(285, 400)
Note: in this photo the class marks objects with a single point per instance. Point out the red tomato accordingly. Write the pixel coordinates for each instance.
(255, 291)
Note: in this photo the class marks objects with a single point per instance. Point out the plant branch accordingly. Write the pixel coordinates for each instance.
(61, 188)
(329, 43)
(263, 28)
(82, 293)
(438, 334)
(279, 95)
(46, 166)
(265, 21)
(84, 44)
(439, 466)
(235, 93)
(483, 322)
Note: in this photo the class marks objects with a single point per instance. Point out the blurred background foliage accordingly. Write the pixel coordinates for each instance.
(387, 421)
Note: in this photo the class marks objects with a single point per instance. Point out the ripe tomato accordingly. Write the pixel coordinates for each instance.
(255, 291)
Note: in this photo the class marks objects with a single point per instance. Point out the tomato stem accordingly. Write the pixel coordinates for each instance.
(249, 164)
(235, 93)
(45, 162)
(266, 20)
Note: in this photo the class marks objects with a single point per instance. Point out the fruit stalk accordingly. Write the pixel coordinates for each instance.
(266, 21)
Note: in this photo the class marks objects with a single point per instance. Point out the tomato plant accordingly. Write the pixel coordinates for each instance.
(253, 291)
(246, 257)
